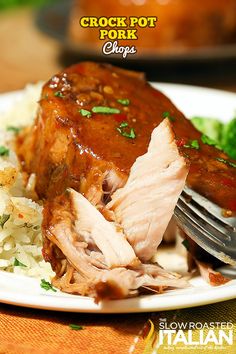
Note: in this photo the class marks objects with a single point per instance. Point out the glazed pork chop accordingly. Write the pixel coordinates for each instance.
(94, 120)
(111, 156)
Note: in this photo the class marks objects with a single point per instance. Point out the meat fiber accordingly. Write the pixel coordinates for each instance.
(145, 205)
(94, 265)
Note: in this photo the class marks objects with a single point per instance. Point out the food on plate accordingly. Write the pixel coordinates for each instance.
(111, 155)
(108, 156)
(182, 24)
(223, 135)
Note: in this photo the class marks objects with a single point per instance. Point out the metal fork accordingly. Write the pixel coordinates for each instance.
(204, 223)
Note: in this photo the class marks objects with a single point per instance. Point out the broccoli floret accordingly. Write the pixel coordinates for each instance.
(228, 141)
(224, 135)
(210, 127)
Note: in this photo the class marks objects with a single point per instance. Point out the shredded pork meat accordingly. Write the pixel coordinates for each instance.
(100, 257)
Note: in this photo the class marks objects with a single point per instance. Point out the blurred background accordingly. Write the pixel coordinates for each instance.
(194, 41)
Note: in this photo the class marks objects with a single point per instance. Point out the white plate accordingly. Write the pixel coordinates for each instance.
(25, 291)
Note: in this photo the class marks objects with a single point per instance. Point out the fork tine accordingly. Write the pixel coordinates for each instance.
(213, 209)
(201, 237)
(201, 225)
(202, 221)
(202, 217)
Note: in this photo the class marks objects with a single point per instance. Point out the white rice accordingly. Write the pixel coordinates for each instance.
(20, 217)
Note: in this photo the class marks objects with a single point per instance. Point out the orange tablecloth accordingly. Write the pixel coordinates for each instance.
(25, 331)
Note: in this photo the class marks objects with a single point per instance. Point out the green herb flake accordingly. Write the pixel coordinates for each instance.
(123, 125)
(13, 129)
(75, 327)
(4, 151)
(192, 144)
(18, 263)
(130, 135)
(124, 101)
(3, 219)
(226, 162)
(105, 110)
(85, 113)
(59, 94)
(185, 243)
(46, 285)
(167, 115)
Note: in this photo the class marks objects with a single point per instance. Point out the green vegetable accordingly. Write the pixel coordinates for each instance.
(59, 94)
(3, 219)
(226, 162)
(228, 140)
(130, 135)
(206, 140)
(167, 115)
(210, 127)
(4, 151)
(13, 129)
(192, 144)
(215, 133)
(75, 327)
(85, 113)
(123, 125)
(124, 101)
(18, 263)
(105, 110)
(46, 285)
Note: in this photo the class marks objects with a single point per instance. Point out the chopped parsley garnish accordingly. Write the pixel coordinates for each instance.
(130, 135)
(123, 125)
(167, 115)
(3, 219)
(4, 151)
(46, 285)
(59, 94)
(85, 113)
(124, 101)
(185, 243)
(13, 129)
(75, 327)
(226, 162)
(105, 110)
(206, 140)
(18, 263)
(192, 144)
